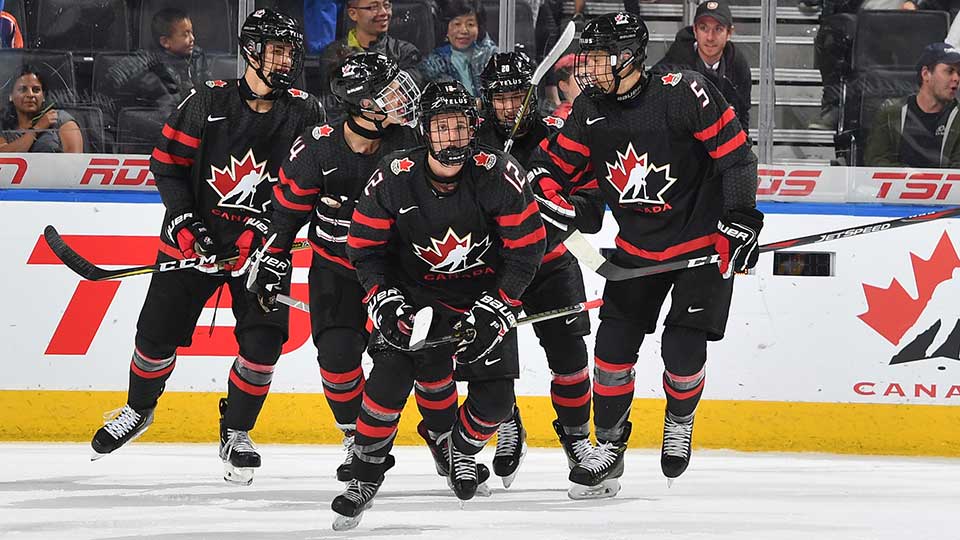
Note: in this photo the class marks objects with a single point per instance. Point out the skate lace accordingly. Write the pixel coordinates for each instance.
(360, 492)
(464, 466)
(603, 456)
(508, 437)
(582, 449)
(120, 421)
(348, 439)
(676, 437)
(239, 442)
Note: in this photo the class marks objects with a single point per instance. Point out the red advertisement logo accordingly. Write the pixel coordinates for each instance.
(916, 186)
(113, 171)
(787, 183)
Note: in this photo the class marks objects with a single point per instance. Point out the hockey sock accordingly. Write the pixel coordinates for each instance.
(613, 376)
(684, 356)
(246, 391)
(488, 404)
(339, 351)
(147, 377)
(570, 385)
(437, 401)
(384, 395)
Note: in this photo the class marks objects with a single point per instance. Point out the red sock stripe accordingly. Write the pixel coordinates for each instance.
(612, 368)
(448, 402)
(341, 398)
(474, 434)
(376, 407)
(685, 394)
(570, 402)
(151, 374)
(610, 391)
(374, 432)
(246, 387)
(437, 384)
(259, 368)
(340, 378)
(572, 378)
(482, 423)
(684, 378)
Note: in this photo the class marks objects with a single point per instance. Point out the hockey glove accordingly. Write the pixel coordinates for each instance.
(483, 328)
(392, 316)
(737, 241)
(555, 209)
(187, 231)
(269, 271)
(254, 231)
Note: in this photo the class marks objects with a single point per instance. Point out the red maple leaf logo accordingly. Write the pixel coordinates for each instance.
(671, 79)
(629, 176)
(216, 84)
(553, 121)
(891, 311)
(401, 165)
(297, 93)
(483, 159)
(453, 254)
(236, 184)
(322, 131)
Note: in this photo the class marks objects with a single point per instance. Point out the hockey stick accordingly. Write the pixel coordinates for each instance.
(589, 256)
(566, 38)
(90, 271)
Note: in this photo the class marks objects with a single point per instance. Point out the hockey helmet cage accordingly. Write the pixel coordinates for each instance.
(448, 144)
(375, 78)
(264, 26)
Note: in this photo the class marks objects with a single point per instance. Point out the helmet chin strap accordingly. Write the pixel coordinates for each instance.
(637, 88)
(371, 134)
(248, 94)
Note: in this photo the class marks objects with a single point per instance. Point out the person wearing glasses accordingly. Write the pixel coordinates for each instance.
(372, 22)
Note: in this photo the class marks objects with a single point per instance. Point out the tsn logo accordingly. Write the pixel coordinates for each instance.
(915, 186)
(784, 183)
(91, 300)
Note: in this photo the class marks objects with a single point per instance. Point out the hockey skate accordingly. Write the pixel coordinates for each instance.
(343, 471)
(597, 476)
(239, 455)
(511, 448)
(576, 448)
(441, 461)
(675, 453)
(357, 499)
(122, 425)
(462, 469)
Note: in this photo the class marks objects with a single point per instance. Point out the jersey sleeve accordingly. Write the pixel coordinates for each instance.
(511, 205)
(713, 122)
(371, 229)
(295, 195)
(172, 159)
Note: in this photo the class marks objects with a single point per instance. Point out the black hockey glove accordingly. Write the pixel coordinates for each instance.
(268, 272)
(187, 231)
(483, 328)
(254, 231)
(738, 240)
(392, 316)
(555, 209)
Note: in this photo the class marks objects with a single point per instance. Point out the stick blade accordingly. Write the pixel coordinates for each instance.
(566, 38)
(71, 258)
(421, 327)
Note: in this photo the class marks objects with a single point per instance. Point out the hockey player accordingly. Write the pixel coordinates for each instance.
(214, 165)
(455, 227)
(558, 283)
(674, 165)
(320, 181)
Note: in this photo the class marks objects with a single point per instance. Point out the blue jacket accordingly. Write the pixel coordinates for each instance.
(437, 66)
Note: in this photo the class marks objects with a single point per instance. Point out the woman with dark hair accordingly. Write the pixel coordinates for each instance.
(30, 125)
(467, 50)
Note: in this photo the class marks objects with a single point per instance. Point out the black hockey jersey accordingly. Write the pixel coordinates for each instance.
(668, 163)
(485, 236)
(220, 158)
(586, 198)
(321, 180)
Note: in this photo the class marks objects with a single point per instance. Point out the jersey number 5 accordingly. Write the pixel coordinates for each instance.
(700, 93)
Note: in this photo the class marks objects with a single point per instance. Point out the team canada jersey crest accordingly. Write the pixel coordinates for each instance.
(237, 183)
(453, 254)
(637, 179)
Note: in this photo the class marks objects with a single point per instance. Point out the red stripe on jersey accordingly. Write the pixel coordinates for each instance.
(359, 243)
(714, 129)
(513, 220)
(526, 240)
(554, 253)
(340, 378)
(669, 253)
(180, 137)
(170, 159)
(297, 190)
(382, 224)
(569, 144)
(331, 257)
(278, 193)
(593, 184)
(736, 142)
(557, 160)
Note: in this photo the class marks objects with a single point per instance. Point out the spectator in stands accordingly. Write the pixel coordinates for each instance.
(706, 47)
(10, 36)
(566, 84)
(29, 124)
(921, 130)
(372, 20)
(468, 47)
(163, 76)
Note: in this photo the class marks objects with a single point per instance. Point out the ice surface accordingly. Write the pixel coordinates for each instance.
(174, 491)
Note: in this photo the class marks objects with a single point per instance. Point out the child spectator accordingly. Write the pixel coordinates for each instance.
(29, 124)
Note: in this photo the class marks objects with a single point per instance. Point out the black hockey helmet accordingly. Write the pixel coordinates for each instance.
(445, 97)
(613, 34)
(374, 79)
(264, 26)
(507, 73)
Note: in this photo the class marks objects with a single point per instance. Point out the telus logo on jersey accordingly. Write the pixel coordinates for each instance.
(640, 182)
(923, 326)
(237, 183)
(454, 256)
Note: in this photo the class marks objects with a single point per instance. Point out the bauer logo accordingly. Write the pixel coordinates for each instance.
(453, 254)
(919, 319)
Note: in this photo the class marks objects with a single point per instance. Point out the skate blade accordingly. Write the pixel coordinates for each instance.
(345, 523)
(483, 490)
(670, 482)
(604, 490)
(240, 476)
(97, 455)
(508, 479)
